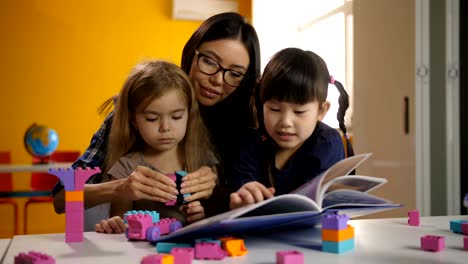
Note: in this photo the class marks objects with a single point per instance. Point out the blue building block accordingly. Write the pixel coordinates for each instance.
(338, 247)
(456, 225)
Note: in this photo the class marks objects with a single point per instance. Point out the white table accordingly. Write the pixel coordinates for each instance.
(4, 243)
(376, 241)
(33, 168)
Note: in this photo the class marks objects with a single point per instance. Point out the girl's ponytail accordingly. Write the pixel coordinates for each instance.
(343, 101)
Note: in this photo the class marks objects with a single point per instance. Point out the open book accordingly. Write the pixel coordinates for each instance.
(332, 191)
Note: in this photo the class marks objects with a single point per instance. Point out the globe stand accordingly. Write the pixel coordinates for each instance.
(37, 160)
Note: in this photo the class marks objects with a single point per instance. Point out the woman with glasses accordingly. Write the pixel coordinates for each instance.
(222, 59)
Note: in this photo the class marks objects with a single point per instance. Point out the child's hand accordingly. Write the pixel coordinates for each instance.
(199, 184)
(194, 211)
(145, 183)
(114, 225)
(250, 193)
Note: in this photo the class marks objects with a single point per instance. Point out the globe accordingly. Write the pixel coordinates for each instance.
(40, 141)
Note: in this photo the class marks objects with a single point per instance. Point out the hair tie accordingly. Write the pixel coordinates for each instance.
(331, 79)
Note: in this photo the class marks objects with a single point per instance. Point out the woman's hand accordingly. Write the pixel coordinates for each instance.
(199, 184)
(194, 211)
(114, 225)
(250, 193)
(145, 183)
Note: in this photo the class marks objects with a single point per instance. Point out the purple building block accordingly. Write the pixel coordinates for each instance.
(183, 255)
(34, 257)
(289, 257)
(413, 218)
(82, 175)
(209, 250)
(66, 176)
(335, 221)
(465, 243)
(432, 243)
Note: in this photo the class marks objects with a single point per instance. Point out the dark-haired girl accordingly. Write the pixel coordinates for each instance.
(292, 145)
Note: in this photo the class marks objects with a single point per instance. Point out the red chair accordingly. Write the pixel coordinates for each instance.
(6, 185)
(44, 181)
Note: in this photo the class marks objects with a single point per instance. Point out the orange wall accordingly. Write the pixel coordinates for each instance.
(61, 59)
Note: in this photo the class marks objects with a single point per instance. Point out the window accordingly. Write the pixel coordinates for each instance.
(324, 27)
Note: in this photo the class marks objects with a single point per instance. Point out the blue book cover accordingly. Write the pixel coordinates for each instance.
(334, 191)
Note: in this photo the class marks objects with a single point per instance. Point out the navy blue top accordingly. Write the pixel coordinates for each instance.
(318, 153)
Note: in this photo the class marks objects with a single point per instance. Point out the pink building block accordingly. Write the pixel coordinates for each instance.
(209, 250)
(289, 257)
(168, 225)
(171, 202)
(157, 259)
(183, 255)
(74, 220)
(413, 218)
(464, 228)
(335, 221)
(34, 257)
(432, 243)
(465, 243)
(82, 175)
(138, 225)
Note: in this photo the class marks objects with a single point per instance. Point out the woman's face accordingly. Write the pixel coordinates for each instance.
(232, 56)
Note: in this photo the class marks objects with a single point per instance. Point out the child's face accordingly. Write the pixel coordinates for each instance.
(290, 125)
(163, 123)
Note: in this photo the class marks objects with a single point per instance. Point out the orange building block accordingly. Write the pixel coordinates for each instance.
(74, 196)
(338, 235)
(234, 246)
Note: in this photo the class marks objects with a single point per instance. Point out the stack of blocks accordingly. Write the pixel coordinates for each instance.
(74, 181)
(177, 177)
(337, 235)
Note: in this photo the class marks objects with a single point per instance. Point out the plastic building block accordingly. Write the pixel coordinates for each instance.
(338, 247)
(456, 225)
(166, 247)
(33, 257)
(66, 176)
(464, 228)
(158, 259)
(74, 196)
(74, 221)
(154, 214)
(338, 235)
(465, 243)
(289, 257)
(82, 175)
(183, 255)
(209, 250)
(335, 221)
(168, 225)
(432, 243)
(207, 239)
(235, 247)
(138, 224)
(413, 218)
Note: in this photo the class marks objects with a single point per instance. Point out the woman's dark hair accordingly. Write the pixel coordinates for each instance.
(298, 76)
(227, 119)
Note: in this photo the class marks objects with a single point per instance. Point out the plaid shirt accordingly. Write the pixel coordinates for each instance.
(94, 155)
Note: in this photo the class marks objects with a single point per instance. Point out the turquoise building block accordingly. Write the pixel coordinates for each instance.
(338, 247)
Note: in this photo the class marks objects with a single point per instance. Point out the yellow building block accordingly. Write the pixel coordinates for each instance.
(338, 235)
(74, 196)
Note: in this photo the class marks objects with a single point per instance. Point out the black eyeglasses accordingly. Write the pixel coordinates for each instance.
(210, 67)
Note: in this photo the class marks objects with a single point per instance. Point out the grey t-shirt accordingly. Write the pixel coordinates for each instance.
(124, 167)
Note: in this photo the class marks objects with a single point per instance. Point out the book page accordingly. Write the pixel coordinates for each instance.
(352, 182)
(343, 167)
(351, 198)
